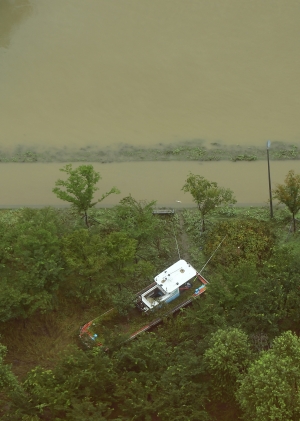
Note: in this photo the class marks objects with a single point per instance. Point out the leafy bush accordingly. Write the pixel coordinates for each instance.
(227, 211)
(244, 239)
(123, 301)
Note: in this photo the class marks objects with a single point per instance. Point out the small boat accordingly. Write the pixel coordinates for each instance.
(168, 286)
(174, 288)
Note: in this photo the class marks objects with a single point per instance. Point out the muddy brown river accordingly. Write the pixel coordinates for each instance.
(32, 184)
(97, 72)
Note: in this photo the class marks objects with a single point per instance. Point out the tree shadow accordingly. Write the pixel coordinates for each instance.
(12, 14)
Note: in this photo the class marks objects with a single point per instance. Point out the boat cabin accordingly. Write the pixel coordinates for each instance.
(167, 286)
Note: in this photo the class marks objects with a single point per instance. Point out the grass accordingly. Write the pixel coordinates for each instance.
(40, 339)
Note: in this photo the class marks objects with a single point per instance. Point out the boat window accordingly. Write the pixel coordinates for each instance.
(155, 293)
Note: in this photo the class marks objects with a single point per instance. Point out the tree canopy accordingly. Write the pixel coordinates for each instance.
(79, 188)
(289, 194)
(270, 389)
(227, 357)
(221, 358)
(30, 264)
(207, 194)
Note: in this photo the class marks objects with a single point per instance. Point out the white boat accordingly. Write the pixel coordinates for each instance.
(168, 285)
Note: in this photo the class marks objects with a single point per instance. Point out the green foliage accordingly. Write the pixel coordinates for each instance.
(291, 152)
(81, 385)
(137, 220)
(182, 392)
(269, 391)
(30, 264)
(47, 259)
(7, 379)
(192, 222)
(84, 252)
(152, 234)
(240, 297)
(207, 194)
(158, 380)
(9, 385)
(282, 271)
(259, 300)
(120, 249)
(123, 301)
(227, 358)
(246, 240)
(289, 194)
(85, 258)
(227, 211)
(80, 187)
(96, 263)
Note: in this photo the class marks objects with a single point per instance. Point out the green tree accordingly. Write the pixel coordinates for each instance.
(153, 235)
(137, 220)
(282, 273)
(139, 367)
(85, 257)
(246, 240)
(98, 265)
(227, 358)
(182, 393)
(79, 188)
(289, 194)
(7, 378)
(123, 301)
(231, 291)
(80, 387)
(240, 296)
(9, 384)
(30, 264)
(159, 380)
(207, 194)
(123, 265)
(270, 389)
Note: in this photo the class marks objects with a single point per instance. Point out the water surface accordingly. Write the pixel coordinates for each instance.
(104, 72)
(32, 184)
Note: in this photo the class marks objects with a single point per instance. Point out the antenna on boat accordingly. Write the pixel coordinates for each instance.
(212, 254)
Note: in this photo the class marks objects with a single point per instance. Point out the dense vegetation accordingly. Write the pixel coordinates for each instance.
(235, 353)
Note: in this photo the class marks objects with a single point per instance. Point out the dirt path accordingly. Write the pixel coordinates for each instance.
(183, 240)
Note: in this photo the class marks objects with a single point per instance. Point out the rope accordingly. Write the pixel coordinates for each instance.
(212, 254)
(176, 240)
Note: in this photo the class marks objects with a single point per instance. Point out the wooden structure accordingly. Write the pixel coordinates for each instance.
(163, 211)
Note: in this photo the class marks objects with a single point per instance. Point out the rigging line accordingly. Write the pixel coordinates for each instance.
(176, 240)
(212, 254)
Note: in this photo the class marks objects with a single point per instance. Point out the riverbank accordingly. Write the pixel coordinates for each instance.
(196, 150)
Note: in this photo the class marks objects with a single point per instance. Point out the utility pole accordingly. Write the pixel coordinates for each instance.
(269, 175)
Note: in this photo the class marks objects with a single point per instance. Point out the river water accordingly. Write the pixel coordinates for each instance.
(32, 184)
(99, 72)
